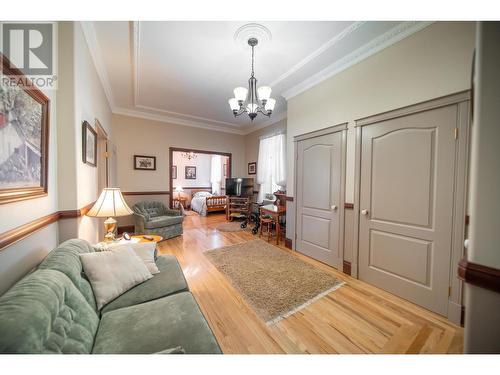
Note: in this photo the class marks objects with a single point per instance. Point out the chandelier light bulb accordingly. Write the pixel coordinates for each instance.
(240, 93)
(233, 103)
(264, 92)
(270, 104)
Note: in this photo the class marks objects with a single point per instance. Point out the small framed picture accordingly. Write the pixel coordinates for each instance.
(190, 173)
(89, 146)
(146, 163)
(252, 168)
(174, 172)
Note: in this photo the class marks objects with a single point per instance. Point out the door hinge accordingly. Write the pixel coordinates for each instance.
(449, 291)
(106, 154)
(455, 133)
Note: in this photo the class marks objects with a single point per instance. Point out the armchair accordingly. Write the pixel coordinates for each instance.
(155, 218)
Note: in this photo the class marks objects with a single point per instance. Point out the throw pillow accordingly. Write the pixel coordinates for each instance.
(112, 273)
(145, 251)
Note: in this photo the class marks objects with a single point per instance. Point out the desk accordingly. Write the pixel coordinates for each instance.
(275, 212)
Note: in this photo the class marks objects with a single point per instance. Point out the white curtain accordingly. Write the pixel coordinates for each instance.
(216, 174)
(271, 168)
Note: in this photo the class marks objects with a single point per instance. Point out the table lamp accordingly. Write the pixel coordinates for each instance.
(179, 190)
(110, 204)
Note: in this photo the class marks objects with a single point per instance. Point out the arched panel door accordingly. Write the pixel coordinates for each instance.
(319, 170)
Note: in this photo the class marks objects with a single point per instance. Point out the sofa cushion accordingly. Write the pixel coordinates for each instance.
(46, 313)
(162, 221)
(66, 259)
(112, 273)
(155, 326)
(170, 280)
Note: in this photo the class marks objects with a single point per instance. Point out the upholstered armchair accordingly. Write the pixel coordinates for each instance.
(155, 218)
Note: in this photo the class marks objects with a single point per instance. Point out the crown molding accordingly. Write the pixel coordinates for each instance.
(396, 34)
(329, 44)
(173, 120)
(95, 53)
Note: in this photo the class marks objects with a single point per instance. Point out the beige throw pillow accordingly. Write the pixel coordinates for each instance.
(145, 251)
(112, 273)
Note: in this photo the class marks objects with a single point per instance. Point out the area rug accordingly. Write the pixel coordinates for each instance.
(230, 226)
(274, 283)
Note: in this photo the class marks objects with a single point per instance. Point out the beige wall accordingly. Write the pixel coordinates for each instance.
(83, 100)
(19, 258)
(433, 62)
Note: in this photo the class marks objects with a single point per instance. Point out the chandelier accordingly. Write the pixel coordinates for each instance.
(252, 100)
(189, 155)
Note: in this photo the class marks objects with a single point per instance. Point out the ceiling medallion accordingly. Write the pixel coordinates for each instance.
(252, 100)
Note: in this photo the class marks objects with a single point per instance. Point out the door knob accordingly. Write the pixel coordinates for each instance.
(364, 212)
(334, 207)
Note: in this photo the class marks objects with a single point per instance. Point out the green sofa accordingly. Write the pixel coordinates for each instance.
(154, 218)
(53, 310)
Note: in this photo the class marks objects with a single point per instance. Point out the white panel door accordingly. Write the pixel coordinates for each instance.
(406, 205)
(319, 173)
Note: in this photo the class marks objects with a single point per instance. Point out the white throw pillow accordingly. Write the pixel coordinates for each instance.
(145, 251)
(112, 273)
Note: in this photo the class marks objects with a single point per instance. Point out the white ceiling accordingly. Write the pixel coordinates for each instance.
(184, 72)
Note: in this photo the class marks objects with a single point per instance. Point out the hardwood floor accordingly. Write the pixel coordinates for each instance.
(356, 318)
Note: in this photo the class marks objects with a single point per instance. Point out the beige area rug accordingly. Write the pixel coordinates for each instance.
(232, 226)
(275, 283)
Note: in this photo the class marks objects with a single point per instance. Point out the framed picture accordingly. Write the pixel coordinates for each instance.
(145, 163)
(190, 173)
(89, 147)
(174, 172)
(252, 168)
(24, 135)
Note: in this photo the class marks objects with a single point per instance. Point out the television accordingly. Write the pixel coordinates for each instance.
(239, 187)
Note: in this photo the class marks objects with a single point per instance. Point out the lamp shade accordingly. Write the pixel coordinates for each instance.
(110, 203)
(270, 104)
(233, 103)
(240, 93)
(179, 189)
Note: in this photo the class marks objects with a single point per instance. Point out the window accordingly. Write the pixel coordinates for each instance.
(271, 168)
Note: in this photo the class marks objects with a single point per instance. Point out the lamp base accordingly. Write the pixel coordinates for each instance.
(110, 227)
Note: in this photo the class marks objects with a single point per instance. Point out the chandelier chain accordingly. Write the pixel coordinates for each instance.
(252, 60)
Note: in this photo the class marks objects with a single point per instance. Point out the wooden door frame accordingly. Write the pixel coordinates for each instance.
(171, 151)
(462, 101)
(342, 127)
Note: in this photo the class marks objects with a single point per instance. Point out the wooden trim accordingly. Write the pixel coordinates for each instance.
(319, 133)
(171, 151)
(164, 192)
(16, 234)
(12, 236)
(479, 275)
(17, 194)
(289, 199)
(288, 243)
(349, 206)
(442, 101)
(346, 267)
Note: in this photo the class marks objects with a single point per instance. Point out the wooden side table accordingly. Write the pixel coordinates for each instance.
(275, 212)
(176, 202)
(156, 238)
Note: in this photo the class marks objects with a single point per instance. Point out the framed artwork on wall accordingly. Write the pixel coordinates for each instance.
(24, 132)
(252, 168)
(89, 146)
(145, 163)
(190, 173)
